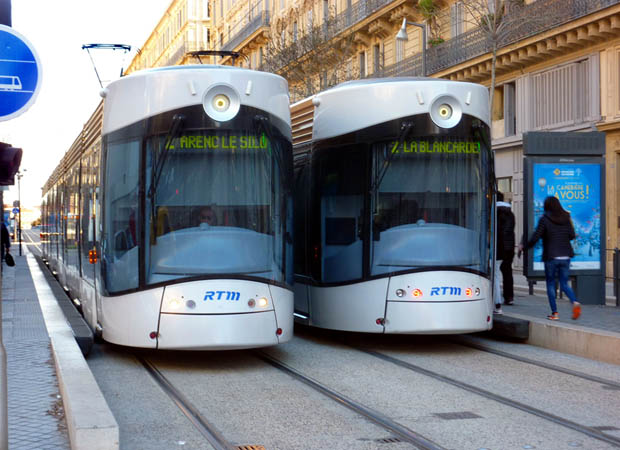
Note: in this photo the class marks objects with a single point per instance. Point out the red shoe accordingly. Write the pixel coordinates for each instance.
(554, 316)
(576, 310)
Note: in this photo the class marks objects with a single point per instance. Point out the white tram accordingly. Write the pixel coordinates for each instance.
(171, 215)
(394, 232)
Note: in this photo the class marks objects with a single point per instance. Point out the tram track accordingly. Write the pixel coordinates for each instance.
(575, 373)
(404, 434)
(206, 429)
(591, 432)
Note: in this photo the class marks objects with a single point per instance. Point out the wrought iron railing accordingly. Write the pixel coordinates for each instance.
(261, 20)
(475, 42)
(185, 47)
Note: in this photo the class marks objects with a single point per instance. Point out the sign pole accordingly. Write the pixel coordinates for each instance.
(5, 19)
(21, 83)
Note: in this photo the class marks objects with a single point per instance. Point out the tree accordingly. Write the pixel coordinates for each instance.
(313, 60)
(497, 19)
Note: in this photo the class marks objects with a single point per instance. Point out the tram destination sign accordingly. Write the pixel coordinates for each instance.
(20, 74)
(435, 146)
(221, 142)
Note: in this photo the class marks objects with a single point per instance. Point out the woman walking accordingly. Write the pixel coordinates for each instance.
(556, 230)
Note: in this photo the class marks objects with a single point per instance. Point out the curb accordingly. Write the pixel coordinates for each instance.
(580, 341)
(90, 422)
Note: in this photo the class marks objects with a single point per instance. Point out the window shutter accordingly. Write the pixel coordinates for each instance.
(509, 109)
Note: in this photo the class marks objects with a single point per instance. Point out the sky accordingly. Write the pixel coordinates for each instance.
(69, 93)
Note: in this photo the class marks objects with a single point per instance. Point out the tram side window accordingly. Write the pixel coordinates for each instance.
(341, 186)
(120, 244)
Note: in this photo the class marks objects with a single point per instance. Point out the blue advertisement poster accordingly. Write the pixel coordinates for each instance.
(577, 186)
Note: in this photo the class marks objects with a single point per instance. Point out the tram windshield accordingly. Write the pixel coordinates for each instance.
(215, 207)
(429, 204)
(406, 203)
(214, 204)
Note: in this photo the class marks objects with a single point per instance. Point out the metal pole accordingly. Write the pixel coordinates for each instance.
(616, 274)
(4, 409)
(5, 19)
(19, 220)
(423, 50)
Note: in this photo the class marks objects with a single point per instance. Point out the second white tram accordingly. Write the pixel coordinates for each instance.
(394, 230)
(176, 235)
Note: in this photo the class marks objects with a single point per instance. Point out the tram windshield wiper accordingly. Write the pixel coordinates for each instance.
(405, 129)
(158, 166)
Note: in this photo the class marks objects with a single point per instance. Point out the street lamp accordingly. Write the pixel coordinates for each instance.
(402, 36)
(19, 176)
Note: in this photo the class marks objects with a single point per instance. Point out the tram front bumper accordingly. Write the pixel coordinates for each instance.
(437, 317)
(217, 331)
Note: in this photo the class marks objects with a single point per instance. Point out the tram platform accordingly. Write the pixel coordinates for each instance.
(54, 401)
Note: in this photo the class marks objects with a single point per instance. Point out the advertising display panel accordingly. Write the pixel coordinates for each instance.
(577, 186)
(571, 167)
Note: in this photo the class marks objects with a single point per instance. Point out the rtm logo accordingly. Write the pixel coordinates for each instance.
(445, 290)
(222, 295)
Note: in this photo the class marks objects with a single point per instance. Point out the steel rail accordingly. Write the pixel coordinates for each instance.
(575, 373)
(401, 431)
(205, 428)
(592, 432)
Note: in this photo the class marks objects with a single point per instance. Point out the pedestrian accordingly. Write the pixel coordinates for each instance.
(505, 247)
(556, 230)
(6, 240)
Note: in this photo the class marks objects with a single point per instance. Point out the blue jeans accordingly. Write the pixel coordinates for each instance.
(558, 268)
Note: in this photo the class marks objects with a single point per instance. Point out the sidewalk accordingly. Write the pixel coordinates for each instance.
(595, 335)
(44, 360)
(36, 415)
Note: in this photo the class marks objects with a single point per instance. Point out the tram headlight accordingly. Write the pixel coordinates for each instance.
(174, 304)
(446, 111)
(262, 302)
(221, 102)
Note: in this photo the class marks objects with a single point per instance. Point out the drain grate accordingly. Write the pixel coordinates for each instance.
(390, 440)
(250, 447)
(457, 415)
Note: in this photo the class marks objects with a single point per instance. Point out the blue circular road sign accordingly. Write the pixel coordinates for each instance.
(20, 73)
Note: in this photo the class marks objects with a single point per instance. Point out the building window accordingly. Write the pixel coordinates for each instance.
(294, 31)
(504, 185)
(376, 58)
(362, 59)
(564, 96)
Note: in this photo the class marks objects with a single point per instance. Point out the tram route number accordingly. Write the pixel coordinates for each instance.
(232, 296)
(436, 147)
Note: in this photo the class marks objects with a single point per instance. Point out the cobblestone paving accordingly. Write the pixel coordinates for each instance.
(35, 412)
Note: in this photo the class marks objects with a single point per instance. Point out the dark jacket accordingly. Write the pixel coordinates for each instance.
(505, 232)
(6, 239)
(556, 235)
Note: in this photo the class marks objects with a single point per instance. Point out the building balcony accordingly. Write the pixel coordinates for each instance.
(259, 21)
(474, 43)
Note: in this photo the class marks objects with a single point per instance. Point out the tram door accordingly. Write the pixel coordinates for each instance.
(341, 189)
